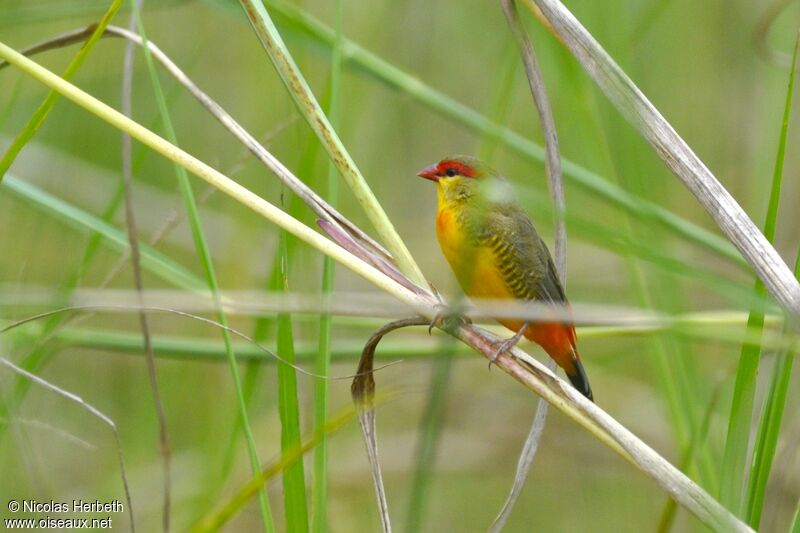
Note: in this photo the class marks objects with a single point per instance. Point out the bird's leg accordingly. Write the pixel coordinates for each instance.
(446, 319)
(504, 346)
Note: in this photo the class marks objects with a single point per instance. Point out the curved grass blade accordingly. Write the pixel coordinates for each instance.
(362, 392)
(95, 412)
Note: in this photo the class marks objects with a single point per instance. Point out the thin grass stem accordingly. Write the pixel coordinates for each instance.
(133, 240)
(556, 187)
(94, 412)
(322, 360)
(204, 255)
(294, 491)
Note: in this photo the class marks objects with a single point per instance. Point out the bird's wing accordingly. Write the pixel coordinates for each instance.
(523, 258)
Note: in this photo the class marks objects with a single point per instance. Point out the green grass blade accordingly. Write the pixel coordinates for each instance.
(215, 520)
(205, 349)
(263, 327)
(96, 239)
(632, 240)
(294, 486)
(769, 430)
(204, 254)
(417, 301)
(312, 112)
(796, 520)
(265, 324)
(188, 348)
(734, 463)
(322, 361)
(38, 357)
(430, 431)
(500, 99)
(741, 413)
(40, 115)
(153, 261)
(772, 414)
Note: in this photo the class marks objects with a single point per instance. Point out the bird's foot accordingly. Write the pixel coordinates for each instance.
(447, 320)
(507, 344)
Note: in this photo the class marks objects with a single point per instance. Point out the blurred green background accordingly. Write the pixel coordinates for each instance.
(702, 64)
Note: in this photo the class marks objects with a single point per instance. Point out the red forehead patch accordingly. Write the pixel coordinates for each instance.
(461, 169)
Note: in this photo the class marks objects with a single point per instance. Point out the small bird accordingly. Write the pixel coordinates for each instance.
(496, 253)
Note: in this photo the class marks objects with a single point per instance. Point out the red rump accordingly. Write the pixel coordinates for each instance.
(557, 339)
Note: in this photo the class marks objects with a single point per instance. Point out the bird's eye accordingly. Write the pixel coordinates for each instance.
(451, 172)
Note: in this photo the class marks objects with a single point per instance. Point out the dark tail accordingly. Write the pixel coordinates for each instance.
(579, 380)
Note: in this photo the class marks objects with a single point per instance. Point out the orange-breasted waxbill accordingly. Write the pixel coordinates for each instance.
(496, 253)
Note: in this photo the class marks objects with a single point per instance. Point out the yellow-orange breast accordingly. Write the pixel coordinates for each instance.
(475, 266)
(477, 269)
